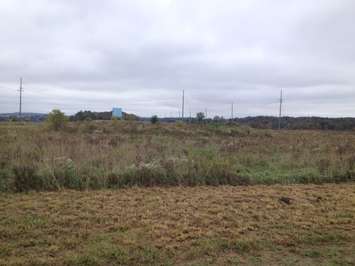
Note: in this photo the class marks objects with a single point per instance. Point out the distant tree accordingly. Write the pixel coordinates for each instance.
(56, 119)
(218, 118)
(88, 115)
(154, 119)
(130, 117)
(200, 116)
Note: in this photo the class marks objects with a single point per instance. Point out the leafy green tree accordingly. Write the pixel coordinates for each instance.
(56, 119)
(154, 119)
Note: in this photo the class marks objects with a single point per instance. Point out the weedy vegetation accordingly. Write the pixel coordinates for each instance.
(131, 193)
(115, 154)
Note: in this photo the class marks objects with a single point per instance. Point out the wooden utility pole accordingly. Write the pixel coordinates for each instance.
(232, 111)
(280, 110)
(20, 107)
(183, 104)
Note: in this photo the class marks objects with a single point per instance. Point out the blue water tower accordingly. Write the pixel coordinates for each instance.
(117, 112)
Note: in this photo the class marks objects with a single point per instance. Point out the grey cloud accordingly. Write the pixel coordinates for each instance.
(140, 54)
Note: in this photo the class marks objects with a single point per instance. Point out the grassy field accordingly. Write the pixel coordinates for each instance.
(112, 154)
(175, 194)
(205, 225)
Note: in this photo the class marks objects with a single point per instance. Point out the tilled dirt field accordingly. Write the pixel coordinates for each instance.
(253, 225)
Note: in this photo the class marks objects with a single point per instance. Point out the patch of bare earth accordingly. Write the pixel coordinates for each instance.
(271, 225)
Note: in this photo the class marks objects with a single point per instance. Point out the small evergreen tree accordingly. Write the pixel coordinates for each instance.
(154, 119)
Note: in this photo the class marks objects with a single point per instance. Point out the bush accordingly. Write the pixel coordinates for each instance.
(66, 175)
(26, 179)
(154, 119)
(200, 116)
(5, 180)
(147, 175)
(113, 180)
(56, 120)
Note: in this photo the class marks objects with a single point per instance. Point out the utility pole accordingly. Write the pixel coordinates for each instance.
(232, 111)
(21, 90)
(183, 104)
(280, 110)
(206, 113)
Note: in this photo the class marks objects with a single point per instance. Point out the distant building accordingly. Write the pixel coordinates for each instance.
(117, 112)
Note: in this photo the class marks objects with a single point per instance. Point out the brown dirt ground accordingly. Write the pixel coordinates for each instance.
(181, 226)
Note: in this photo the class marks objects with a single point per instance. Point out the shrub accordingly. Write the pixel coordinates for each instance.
(149, 174)
(154, 119)
(26, 179)
(66, 175)
(5, 180)
(112, 180)
(48, 180)
(56, 120)
(200, 116)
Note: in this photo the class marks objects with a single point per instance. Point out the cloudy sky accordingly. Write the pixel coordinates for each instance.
(140, 54)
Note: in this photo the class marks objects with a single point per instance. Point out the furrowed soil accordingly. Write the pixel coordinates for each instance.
(225, 225)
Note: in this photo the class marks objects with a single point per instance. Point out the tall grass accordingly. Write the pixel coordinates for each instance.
(114, 154)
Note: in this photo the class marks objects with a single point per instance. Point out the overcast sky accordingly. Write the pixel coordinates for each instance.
(139, 55)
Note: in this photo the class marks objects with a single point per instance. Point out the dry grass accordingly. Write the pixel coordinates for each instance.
(119, 154)
(181, 226)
